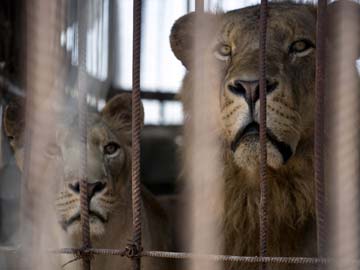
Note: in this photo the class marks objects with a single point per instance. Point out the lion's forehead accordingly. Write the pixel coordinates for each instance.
(98, 132)
(285, 22)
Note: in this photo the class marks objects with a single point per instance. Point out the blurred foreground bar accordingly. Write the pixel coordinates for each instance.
(43, 27)
(343, 110)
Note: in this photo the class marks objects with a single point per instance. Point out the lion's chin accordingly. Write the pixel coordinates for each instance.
(247, 154)
(97, 229)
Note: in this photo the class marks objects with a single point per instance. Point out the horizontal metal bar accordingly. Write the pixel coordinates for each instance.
(191, 256)
(95, 251)
(10, 249)
(212, 257)
(166, 95)
(244, 259)
(146, 94)
(11, 87)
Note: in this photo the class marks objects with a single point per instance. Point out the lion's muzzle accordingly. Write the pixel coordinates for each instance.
(253, 129)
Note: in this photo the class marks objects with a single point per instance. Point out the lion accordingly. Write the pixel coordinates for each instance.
(232, 50)
(109, 185)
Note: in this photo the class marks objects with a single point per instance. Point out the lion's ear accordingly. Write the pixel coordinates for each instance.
(14, 122)
(119, 108)
(183, 33)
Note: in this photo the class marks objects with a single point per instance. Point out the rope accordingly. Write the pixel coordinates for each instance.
(319, 126)
(136, 128)
(94, 251)
(209, 257)
(263, 153)
(84, 204)
(243, 259)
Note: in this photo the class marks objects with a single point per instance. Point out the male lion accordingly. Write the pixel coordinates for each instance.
(233, 50)
(109, 176)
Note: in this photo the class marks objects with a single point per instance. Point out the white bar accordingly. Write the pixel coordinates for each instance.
(344, 140)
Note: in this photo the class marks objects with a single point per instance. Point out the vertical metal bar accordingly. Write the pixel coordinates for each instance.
(42, 66)
(342, 109)
(136, 128)
(199, 6)
(112, 50)
(84, 203)
(319, 125)
(263, 151)
(203, 162)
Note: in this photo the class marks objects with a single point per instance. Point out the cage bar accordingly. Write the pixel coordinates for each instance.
(209, 257)
(202, 152)
(319, 126)
(342, 115)
(43, 54)
(136, 128)
(263, 215)
(82, 107)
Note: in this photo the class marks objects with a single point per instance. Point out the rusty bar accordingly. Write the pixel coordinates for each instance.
(84, 204)
(319, 125)
(136, 128)
(263, 153)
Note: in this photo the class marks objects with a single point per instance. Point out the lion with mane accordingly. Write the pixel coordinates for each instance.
(232, 50)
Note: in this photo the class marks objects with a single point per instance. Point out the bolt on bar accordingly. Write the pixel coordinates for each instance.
(319, 125)
(84, 204)
(263, 151)
(136, 128)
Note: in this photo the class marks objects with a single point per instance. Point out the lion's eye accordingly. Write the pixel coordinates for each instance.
(53, 150)
(222, 52)
(111, 149)
(301, 47)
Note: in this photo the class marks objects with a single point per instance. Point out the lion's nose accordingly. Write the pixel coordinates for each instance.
(93, 188)
(250, 89)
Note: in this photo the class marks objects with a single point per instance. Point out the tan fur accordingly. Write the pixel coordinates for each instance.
(114, 202)
(290, 119)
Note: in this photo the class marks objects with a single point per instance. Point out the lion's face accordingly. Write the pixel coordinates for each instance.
(290, 62)
(108, 163)
(108, 166)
